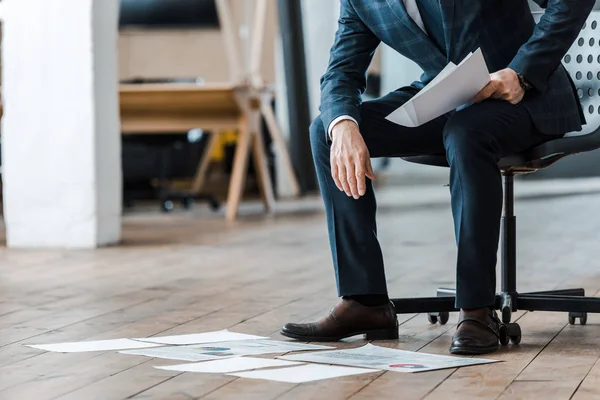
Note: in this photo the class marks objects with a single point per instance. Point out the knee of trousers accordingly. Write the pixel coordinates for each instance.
(464, 141)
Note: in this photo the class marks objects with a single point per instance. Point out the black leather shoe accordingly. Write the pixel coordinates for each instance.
(348, 318)
(477, 332)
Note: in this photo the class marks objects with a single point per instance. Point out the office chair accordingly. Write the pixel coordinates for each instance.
(583, 64)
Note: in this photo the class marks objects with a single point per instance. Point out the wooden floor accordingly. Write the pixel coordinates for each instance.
(193, 272)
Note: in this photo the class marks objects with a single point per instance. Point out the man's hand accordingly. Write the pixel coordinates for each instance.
(350, 159)
(504, 85)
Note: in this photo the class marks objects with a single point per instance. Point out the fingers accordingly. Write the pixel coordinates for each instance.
(361, 184)
(485, 93)
(350, 164)
(343, 176)
(335, 174)
(502, 86)
(370, 174)
(351, 174)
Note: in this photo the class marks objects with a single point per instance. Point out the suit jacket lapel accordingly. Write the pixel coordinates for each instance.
(399, 10)
(448, 13)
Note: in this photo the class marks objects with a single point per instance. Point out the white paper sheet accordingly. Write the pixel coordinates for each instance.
(264, 346)
(180, 353)
(229, 365)
(383, 358)
(218, 350)
(454, 86)
(200, 338)
(98, 345)
(304, 373)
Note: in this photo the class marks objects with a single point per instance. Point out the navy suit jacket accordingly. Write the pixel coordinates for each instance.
(505, 31)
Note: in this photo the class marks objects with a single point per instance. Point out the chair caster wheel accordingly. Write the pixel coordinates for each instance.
(574, 315)
(442, 318)
(433, 319)
(167, 206)
(503, 335)
(514, 333)
(187, 203)
(214, 204)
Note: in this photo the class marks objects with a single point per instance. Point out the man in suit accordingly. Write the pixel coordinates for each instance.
(530, 99)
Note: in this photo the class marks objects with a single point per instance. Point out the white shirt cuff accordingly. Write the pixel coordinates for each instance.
(337, 120)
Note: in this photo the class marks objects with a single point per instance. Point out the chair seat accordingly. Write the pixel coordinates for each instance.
(539, 157)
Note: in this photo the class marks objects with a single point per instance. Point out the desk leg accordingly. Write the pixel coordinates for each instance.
(279, 141)
(260, 163)
(240, 166)
(204, 163)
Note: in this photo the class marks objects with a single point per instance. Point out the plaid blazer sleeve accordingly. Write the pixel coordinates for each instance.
(345, 80)
(539, 57)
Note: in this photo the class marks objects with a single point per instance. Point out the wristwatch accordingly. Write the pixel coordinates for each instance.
(523, 82)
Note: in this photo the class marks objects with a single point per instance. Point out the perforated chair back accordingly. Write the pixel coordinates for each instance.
(582, 61)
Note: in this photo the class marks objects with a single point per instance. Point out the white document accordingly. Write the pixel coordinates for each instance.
(384, 358)
(199, 338)
(260, 346)
(229, 365)
(181, 353)
(304, 373)
(98, 345)
(214, 351)
(454, 86)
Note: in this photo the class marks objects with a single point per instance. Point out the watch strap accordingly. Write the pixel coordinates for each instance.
(523, 82)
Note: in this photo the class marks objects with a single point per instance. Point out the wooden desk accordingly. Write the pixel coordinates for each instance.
(165, 108)
(176, 108)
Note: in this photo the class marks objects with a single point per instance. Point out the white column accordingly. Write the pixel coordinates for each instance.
(61, 151)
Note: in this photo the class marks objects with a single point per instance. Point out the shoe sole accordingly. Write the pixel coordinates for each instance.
(473, 351)
(377, 334)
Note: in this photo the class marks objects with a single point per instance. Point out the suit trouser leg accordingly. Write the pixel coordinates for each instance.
(357, 256)
(473, 140)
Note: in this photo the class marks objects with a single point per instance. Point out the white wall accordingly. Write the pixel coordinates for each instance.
(60, 131)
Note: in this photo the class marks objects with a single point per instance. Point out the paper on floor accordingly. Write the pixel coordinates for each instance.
(376, 357)
(98, 345)
(181, 353)
(455, 86)
(225, 349)
(304, 373)
(199, 338)
(229, 365)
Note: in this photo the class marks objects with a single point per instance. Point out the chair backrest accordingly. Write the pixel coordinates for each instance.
(582, 61)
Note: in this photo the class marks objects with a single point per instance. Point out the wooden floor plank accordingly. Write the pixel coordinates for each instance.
(535, 390)
(562, 365)
(138, 379)
(590, 387)
(190, 272)
(414, 335)
(78, 376)
(490, 381)
(415, 386)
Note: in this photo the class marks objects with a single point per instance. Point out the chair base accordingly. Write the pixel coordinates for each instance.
(572, 301)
